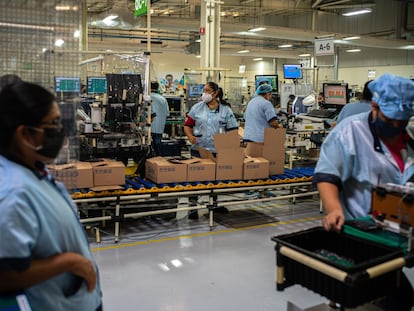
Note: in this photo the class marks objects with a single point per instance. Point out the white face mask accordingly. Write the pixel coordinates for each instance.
(206, 97)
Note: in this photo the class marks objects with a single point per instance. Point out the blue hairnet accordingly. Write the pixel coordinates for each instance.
(264, 88)
(394, 95)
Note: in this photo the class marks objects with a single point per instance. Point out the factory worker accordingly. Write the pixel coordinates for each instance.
(260, 114)
(44, 253)
(364, 150)
(212, 115)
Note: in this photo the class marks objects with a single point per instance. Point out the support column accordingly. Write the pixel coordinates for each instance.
(210, 39)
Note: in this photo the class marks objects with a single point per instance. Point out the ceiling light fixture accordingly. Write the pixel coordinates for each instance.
(243, 51)
(109, 20)
(256, 29)
(352, 38)
(357, 12)
(257, 59)
(76, 34)
(304, 55)
(59, 42)
(285, 46)
(353, 50)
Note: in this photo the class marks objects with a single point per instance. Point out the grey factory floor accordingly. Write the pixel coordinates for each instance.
(182, 265)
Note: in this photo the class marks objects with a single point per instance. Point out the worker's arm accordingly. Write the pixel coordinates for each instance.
(189, 133)
(334, 219)
(41, 270)
(274, 123)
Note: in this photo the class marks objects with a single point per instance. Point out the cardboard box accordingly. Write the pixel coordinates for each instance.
(161, 170)
(255, 168)
(229, 158)
(73, 175)
(273, 149)
(108, 173)
(201, 170)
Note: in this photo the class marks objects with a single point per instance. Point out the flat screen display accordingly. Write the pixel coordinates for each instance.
(195, 90)
(174, 105)
(335, 94)
(67, 84)
(272, 80)
(96, 85)
(292, 71)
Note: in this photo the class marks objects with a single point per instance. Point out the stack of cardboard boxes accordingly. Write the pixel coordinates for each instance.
(105, 173)
(232, 161)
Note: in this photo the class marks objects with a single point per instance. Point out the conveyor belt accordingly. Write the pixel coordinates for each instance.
(137, 185)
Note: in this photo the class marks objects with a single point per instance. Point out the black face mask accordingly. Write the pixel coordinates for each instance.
(53, 141)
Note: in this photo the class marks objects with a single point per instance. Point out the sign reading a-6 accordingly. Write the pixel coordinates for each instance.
(324, 47)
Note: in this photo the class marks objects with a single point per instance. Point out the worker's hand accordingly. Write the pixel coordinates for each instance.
(193, 140)
(84, 268)
(334, 220)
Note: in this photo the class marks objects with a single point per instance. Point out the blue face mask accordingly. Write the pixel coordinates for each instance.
(385, 129)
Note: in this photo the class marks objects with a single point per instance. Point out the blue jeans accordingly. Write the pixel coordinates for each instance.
(156, 143)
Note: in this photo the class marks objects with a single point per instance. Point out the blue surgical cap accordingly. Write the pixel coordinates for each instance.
(394, 95)
(264, 88)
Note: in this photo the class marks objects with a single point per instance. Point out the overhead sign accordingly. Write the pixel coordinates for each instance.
(324, 47)
(141, 7)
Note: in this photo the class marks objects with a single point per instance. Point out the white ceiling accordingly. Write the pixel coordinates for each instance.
(175, 25)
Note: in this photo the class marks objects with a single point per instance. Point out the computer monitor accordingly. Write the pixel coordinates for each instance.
(272, 80)
(174, 104)
(96, 85)
(336, 95)
(67, 84)
(292, 71)
(195, 90)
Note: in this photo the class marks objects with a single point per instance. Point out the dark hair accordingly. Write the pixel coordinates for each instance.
(214, 86)
(154, 86)
(9, 79)
(22, 103)
(366, 93)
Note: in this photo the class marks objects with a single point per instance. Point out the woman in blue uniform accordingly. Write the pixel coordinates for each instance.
(365, 150)
(212, 115)
(44, 252)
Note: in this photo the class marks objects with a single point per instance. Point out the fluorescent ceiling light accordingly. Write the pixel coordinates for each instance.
(257, 59)
(353, 50)
(352, 38)
(109, 20)
(357, 12)
(66, 8)
(198, 56)
(408, 47)
(198, 40)
(243, 51)
(59, 42)
(304, 55)
(256, 29)
(285, 46)
(76, 34)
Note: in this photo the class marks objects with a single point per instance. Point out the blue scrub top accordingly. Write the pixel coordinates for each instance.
(355, 159)
(210, 122)
(258, 114)
(159, 108)
(39, 220)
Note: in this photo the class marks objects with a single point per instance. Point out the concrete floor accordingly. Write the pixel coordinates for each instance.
(182, 265)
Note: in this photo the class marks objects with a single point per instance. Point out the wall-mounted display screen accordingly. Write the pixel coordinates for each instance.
(335, 94)
(292, 71)
(96, 85)
(67, 84)
(272, 80)
(174, 104)
(195, 90)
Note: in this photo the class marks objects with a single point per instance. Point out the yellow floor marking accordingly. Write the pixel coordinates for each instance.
(116, 246)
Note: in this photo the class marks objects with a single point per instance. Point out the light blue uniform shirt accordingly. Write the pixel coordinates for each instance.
(258, 114)
(159, 107)
(209, 123)
(39, 220)
(353, 108)
(356, 161)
